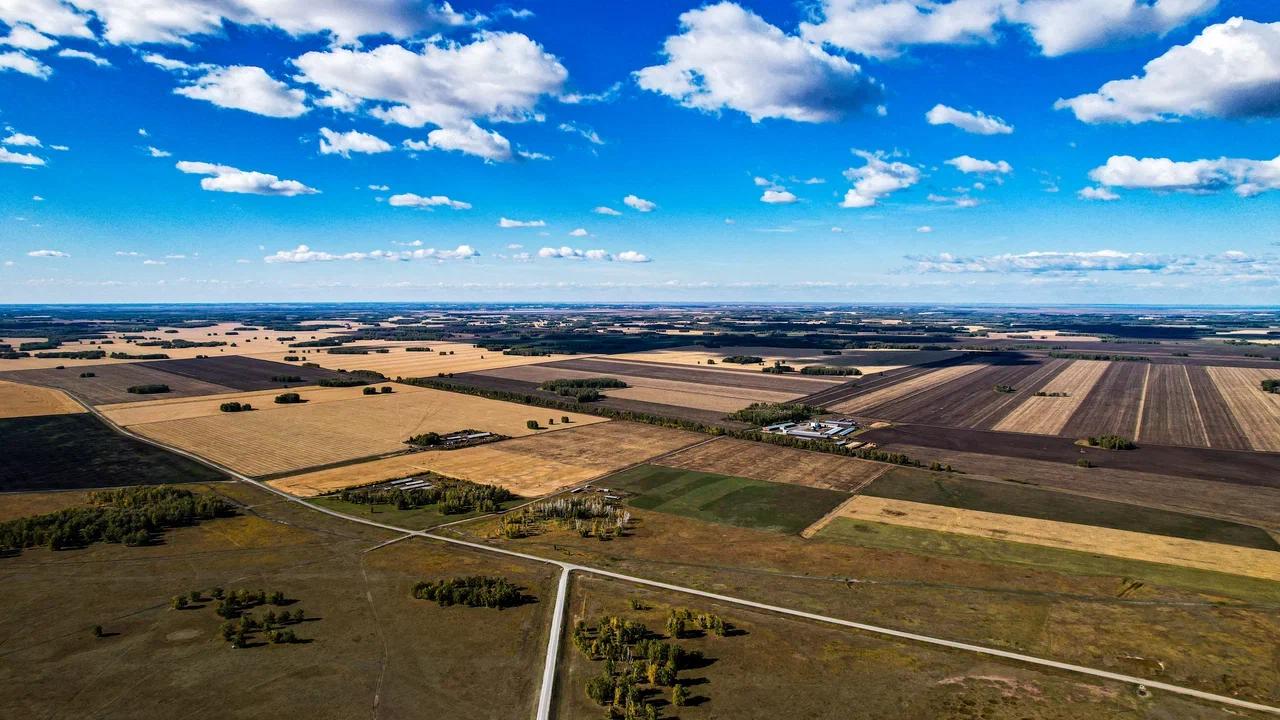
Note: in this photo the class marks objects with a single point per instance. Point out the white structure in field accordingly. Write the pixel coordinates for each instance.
(836, 430)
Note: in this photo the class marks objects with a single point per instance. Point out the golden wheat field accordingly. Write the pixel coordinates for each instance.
(906, 388)
(397, 361)
(151, 411)
(1256, 412)
(308, 435)
(1048, 415)
(762, 461)
(19, 400)
(1071, 536)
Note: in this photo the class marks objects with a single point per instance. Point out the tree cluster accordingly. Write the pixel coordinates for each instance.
(384, 390)
(763, 413)
(149, 389)
(235, 406)
(1111, 442)
(74, 354)
(589, 516)
(289, 398)
(138, 356)
(1099, 356)
(450, 496)
(636, 666)
(1005, 389)
(829, 370)
(474, 591)
(1042, 393)
(743, 359)
(1271, 386)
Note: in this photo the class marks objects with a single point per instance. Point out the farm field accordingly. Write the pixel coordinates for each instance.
(756, 380)
(1048, 415)
(399, 362)
(242, 373)
(904, 389)
(59, 452)
(774, 463)
(529, 466)
(110, 383)
(136, 413)
(21, 400)
(712, 497)
(722, 398)
(1170, 413)
(961, 492)
(305, 435)
(1257, 412)
(365, 633)
(868, 361)
(815, 668)
(970, 399)
(1113, 407)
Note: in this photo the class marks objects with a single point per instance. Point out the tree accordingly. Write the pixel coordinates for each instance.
(178, 602)
(97, 631)
(564, 419)
(679, 696)
(532, 424)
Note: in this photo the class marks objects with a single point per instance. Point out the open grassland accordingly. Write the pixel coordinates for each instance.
(1257, 412)
(529, 466)
(58, 452)
(368, 642)
(399, 362)
(723, 398)
(1264, 564)
(1170, 413)
(773, 463)
(963, 492)
(1208, 630)
(818, 671)
(14, 505)
(137, 413)
(1048, 415)
(305, 435)
(110, 383)
(20, 400)
(777, 507)
(905, 389)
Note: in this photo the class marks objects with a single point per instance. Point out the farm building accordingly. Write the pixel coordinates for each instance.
(835, 429)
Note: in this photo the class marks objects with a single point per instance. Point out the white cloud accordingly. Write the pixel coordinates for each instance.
(304, 254)
(579, 232)
(960, 201)
(21, 139)
(779, 196)
(336, 143)
(762, 182)
(23, 63)
(37, 198)
(24, 38)
(1246, 178)
(224, 178)
(128, 253)
(1064, 26)
(637, 203)
(508, 223)
(1096, 193)
(48, 254)
(469, 139)
(1044, 262)
(166, 63)
(14, 158)
(82, 55)
(877, 179)
(1229, 70)
(380, 188)
(967, 164)
(59, 148)
(728, 57)
(248, 88)
(837, 229)
(154, 262)
(514, 246)
(604, 210)
(976, 122)
(143, 132)
(156, 152)
(924, 229)
(632, 256)
(609, 94)
(569, 253)
(590, 135)
(433, 201)
(51, 17)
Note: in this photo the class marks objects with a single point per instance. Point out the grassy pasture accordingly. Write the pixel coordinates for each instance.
(922, 486)
(724, 499)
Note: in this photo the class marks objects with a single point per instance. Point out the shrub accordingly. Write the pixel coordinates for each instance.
(291, 358)
(1111, 442)
(151, 389)
(286, 378)
(532, 424)
(386, 390)
(1271, 386)
(1084, 463)
(1005, 389)
(235, 407)
(370, 390)
(88, 375)
(288, 398)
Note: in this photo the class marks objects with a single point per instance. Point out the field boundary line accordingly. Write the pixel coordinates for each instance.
(1142, 404)
(890, 632)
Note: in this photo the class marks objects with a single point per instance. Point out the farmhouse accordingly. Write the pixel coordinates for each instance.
(835, 429)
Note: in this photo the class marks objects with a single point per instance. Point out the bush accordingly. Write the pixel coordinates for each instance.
(235, 407)
(743, 359)
(1005, 389)
(474, 591)
(88, 375)
(1271, 386)
(1084, 463)
(1111, 442)
(288, 398)
(532, 424)
(370, 390)
(291, 358)
(386, 390)
(151, 389)
(286, 378)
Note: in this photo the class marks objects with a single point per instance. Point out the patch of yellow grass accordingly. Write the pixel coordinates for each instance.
(1257, 412)
(906, 388)
(18, 400)
(1071, 536)
(1048, 415)
(150, 411)
(294, 437)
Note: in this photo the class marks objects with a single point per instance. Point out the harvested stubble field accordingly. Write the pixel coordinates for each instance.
(21, 400)
(908, 387)
(137, 413)
(1249, 562)
(818, 671)
(1170, 413)
(1114, 405)
(798, 385)
(241, 373)
(399, 362)
(58, 452)
(868, 361)
(773, 463)
(1257, 412)
(1048, 415)
(368, 640)
(110, 383)
(970, 400)
(305, 435)
(529, 466)
(1220, 425)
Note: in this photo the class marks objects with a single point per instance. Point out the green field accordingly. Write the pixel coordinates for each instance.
(724, 499)
(932, 542)
(416, 519)
(934, 488)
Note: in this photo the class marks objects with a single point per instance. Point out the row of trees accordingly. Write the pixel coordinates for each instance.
(474, 591)
(829, 370)
(148, 389)
(1111, 442)
(450, 496)
(743, 359)
(235, 406)
(1098, 356)
(138, 356)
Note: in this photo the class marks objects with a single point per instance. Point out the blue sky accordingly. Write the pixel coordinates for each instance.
(1154, 180)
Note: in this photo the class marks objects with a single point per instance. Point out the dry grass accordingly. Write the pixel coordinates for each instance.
(529, 466)
(1257, 412)
(18, 400)
(761, 461)
(151, 411)
(1104, 541)
(906, 388)
(398, 362)
(309, 435)
(1048, 415)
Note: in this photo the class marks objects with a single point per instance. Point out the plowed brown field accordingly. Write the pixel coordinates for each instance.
(761, 461)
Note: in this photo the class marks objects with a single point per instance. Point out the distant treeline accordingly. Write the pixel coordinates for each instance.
(1099, 356)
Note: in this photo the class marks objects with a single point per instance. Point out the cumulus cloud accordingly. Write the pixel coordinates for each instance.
(345, 143)
(605, 210)
(83, 55)
(728, 57)
(585, 132)
(509, 223)
(304, 254)
(778, 196)
(977, 122)
(1229, 70)
(418, 201)
(877, 179)
(967, 164)
(248, 88)
(1064, 26)
(1096, 193)
(19, 158)
(470, 139)
(1043, 262)
(21, 62)
(637, 203)
(25, 38)
(21, 139)
(166, 63)
(1244, 177)
(578, 232)
(224, 178)
(380, 188)
(924, 229)
(632, 256)
(48, 254)
(569, 253)
(156, 152)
